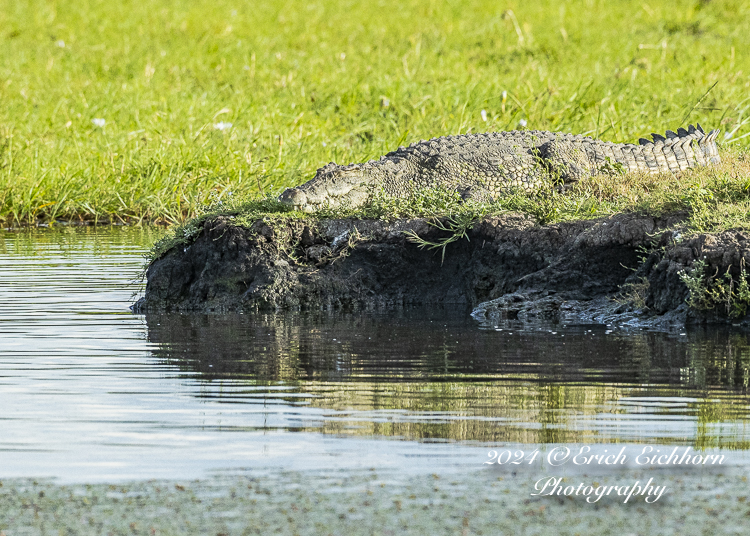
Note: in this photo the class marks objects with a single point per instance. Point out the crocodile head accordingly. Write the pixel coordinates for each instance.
(333, 186)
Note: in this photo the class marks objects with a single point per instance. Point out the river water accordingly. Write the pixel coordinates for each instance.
(91, 392)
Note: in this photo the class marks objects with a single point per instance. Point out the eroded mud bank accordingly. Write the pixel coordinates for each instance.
(624, 268)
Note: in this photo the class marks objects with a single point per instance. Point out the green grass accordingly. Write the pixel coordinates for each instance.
(304, 82)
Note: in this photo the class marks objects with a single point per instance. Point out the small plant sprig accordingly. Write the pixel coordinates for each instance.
(457, 225)
(707, 292)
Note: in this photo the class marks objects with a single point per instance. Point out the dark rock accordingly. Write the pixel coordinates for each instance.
(307, 237)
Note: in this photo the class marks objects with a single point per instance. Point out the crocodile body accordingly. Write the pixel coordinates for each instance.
(482, 166)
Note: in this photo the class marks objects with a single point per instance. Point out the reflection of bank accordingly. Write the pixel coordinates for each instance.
(422, 374)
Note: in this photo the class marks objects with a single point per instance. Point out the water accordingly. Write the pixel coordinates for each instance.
(90, 391)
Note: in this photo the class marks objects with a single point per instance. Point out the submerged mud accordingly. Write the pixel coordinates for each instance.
(625, 268)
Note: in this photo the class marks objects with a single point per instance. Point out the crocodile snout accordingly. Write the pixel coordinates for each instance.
(329, 190)
(295, 198)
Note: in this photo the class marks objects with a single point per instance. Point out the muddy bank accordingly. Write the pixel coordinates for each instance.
(624, 268)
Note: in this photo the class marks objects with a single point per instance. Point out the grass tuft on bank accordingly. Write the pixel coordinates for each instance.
(152, 111)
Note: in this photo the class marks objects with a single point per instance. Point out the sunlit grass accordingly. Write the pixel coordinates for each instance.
(152, 110)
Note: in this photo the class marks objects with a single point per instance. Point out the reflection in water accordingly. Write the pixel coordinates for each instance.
(428, 373)
(90, 391)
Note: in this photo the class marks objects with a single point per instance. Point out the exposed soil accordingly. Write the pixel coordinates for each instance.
(625, 267)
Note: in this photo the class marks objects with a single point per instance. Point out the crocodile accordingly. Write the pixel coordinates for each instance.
(482, 166)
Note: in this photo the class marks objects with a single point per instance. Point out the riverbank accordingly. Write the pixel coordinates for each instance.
(374, 502)
(623, 268)
(637, 239)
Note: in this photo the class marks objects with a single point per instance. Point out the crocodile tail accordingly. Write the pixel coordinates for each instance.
(681, 150)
